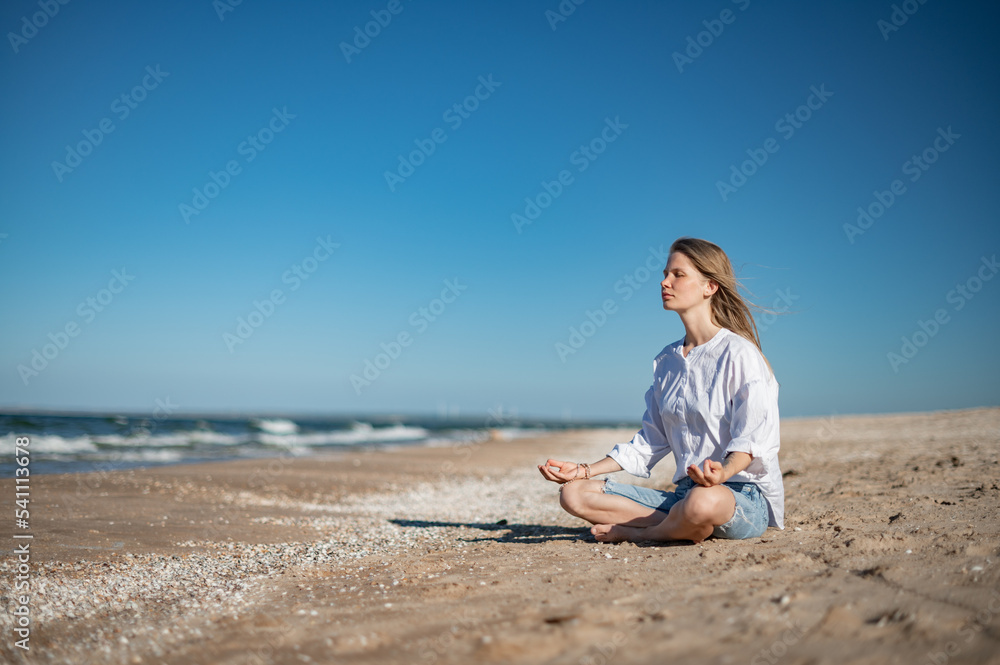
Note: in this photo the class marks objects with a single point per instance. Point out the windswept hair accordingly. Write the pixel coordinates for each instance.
(729, 309)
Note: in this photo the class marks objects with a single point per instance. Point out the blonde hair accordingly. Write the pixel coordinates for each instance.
(729, 309)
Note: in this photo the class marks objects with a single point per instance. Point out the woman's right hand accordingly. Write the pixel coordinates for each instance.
(560, 472)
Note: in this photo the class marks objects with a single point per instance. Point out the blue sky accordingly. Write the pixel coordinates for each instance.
(309, 128)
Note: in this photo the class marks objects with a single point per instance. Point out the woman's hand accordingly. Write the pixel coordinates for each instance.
(560, 472)
(716, 473)
(709, 476)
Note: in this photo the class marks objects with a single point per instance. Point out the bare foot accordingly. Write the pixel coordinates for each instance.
(610, 533)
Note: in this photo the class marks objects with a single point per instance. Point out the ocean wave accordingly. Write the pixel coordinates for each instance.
(49, 444)
(275, 425)
(360, 433)
(69, 443)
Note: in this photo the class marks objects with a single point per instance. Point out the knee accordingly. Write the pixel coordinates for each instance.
(702, 506)
(572, 499)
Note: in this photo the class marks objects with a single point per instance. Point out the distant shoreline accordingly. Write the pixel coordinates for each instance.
(484, 420)
(391, 417)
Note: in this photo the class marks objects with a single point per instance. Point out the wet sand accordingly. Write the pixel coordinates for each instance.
(459, 555)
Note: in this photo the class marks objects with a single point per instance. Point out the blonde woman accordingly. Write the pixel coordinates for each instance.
(713, 404)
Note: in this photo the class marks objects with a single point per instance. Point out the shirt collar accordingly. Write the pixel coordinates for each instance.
(702, 348)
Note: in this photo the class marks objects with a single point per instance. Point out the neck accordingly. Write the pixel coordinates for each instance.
(698, 327)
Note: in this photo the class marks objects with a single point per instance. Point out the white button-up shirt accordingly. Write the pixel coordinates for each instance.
(722, 398)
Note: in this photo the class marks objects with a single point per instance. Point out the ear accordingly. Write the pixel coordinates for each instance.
(710, 288)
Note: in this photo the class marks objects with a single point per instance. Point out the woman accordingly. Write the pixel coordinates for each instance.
(713, 404)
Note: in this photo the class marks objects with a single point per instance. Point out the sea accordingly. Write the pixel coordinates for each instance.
(77, 443)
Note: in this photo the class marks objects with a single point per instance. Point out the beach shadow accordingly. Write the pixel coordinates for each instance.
(530, 533)
(506, 532)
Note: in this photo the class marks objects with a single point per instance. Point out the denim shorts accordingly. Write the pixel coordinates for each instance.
(749, 521)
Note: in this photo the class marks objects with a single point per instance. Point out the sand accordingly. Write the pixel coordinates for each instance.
(462, 555)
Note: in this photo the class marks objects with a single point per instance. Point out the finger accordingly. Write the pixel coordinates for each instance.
(702, 478)
(551, 476)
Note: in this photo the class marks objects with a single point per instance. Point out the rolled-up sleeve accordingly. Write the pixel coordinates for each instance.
(648, 446)
(754, 419)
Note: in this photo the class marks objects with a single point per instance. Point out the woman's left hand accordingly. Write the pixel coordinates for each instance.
(709, 476)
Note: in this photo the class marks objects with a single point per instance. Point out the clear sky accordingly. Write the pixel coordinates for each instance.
(473, 178)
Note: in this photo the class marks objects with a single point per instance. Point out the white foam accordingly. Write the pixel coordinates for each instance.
(275, 425)
(48, 444)
(507, 433)
(215, 438)
(356, 435)
(162, 456)
(142, 440)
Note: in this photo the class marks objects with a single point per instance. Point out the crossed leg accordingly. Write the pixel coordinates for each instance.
(586, 499)
(617, 518)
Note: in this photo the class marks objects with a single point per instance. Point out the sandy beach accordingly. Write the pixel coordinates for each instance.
(462, 555)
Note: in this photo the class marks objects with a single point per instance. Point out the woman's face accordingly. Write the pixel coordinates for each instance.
(683, 287)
